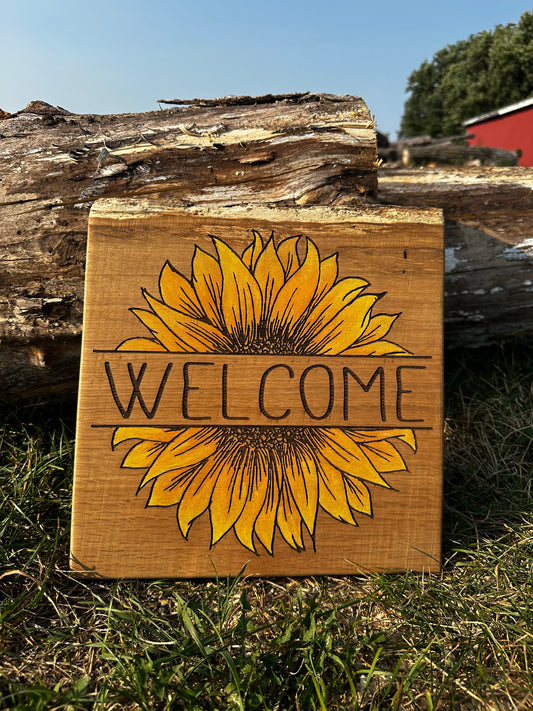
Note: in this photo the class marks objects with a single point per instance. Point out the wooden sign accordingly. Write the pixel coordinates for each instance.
(261, 388)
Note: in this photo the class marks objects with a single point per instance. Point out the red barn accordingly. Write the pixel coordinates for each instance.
(510, 128)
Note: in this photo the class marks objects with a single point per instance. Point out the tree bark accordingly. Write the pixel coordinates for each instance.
(489, 247)
(297, 149)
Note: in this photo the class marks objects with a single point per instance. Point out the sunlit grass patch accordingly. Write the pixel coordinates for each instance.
(459, 640)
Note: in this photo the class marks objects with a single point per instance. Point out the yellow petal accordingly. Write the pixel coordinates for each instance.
(376, 348)
(365, 436)
(384, 456)
(143, 454)
(270, 276)
(342, 294)
(342, 452)
(301, 479)
(140, 344)
(265, 522)
(297, 293)
(337, 335)
(288, 255)
(163, 334)
(230, 494)
(241, 295)
(377, 328)
(190, 447)
(251, 253)
(196, 336)
(169, 488)
(257, 494)
(207, 280)
(177, 292)
(332, 495)
(328, 275)
(153, 434)
(289, 520)
(358, 496)
(197, 495)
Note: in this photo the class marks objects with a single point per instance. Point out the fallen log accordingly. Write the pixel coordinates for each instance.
(427, 140)
(489, 250)
(455, 154)
(402, 150)
(297, 149)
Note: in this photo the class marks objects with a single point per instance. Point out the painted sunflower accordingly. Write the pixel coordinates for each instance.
(256, 479)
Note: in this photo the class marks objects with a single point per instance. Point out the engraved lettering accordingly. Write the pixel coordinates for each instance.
(262, 387)
(187, 387)
(225, 414)
(136, 393)
(400, 390)
(379, 372)
(303, 395)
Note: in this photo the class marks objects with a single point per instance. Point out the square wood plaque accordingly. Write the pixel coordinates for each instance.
(262, 388)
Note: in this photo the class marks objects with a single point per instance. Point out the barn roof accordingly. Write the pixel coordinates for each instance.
(500, 112)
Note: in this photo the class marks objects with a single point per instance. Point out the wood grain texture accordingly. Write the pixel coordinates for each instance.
(277, 432)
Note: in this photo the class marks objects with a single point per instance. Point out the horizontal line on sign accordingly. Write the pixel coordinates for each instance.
(259, 355)
(237, 424)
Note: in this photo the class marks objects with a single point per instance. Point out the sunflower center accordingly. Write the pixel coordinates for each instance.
(267, 341)
(266, 438)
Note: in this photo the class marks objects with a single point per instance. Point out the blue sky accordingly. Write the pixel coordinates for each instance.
(118, 56)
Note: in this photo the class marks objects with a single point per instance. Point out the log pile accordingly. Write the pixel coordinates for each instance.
(453, 150)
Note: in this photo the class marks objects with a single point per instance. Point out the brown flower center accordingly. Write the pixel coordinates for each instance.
(267, 438)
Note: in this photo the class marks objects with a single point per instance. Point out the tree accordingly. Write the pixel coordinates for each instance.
(485, 72)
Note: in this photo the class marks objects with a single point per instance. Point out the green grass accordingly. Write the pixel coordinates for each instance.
(460, 640)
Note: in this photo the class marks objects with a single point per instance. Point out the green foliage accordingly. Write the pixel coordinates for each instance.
(489, 70)
(460, 640)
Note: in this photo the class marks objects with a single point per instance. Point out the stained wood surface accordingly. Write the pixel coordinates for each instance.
(268, 384)
(303, 149)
